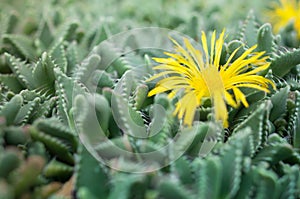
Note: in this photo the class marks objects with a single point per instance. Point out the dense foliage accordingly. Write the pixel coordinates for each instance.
(59, 71)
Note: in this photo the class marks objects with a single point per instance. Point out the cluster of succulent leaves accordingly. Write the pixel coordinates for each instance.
(46, 61)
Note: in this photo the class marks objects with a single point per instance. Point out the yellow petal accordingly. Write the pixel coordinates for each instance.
(190, 109)
(204, 46)
(218, 50)
(230, 100)
(196, 54)
(212, 47)
(220, 108)
(240, 97)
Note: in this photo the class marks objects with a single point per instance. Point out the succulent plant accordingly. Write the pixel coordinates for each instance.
(76, 120)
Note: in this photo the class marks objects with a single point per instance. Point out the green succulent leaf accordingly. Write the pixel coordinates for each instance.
(22, 71)
(282, 63)
(11, 82)
(128, 119)
(103, 79)
(72, 58)
(16, 135)
(294, 121)
(169, 189)
(288, 182)
(266, 184)
(265, 38)
(26, 111)
(9, 162)
(128, 186)
(44, 68)
(140, 96)
(11, 109)
(87, 67)
(209, 175)
(58, 52)
(55, 146)
(279, 102)
(55, 128)
(27, 174)
(66, 89)
(57, 170)
(182, 167)
(94, 179)
(274, 153)
(231, 161)
(257, 121)
(249, 30)
(22, 45)
(45, 33)
(68, 31)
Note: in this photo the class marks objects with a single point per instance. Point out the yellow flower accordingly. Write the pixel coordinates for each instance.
(285, 12)
(200, 76)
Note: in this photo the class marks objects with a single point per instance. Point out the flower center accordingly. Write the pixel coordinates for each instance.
(215, 86)
(213, 80)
